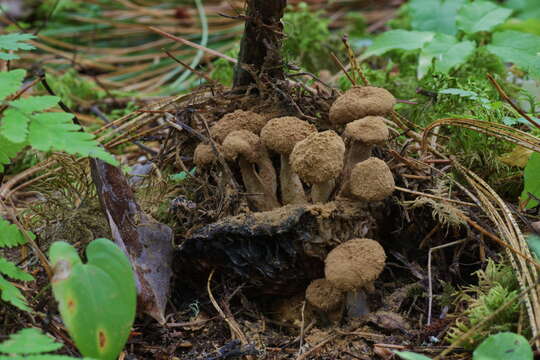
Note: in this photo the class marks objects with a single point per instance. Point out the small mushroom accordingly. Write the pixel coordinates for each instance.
(237, 120)
(370, 180)
(354, 265)
(246, 147)
(280, 135)
(359, 102)
(318, 160)
(326, 298)
(361, 135)
(204, 155)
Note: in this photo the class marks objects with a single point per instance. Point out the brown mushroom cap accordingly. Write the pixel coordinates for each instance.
(238, 120)
(359, 102)
(370, 130)
(319, 157)
(241, 142)
(371, 180)
(281, 134)
(354, 264)
(204, 155)
(323, 295)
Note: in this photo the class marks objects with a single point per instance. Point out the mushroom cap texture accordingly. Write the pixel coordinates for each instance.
(359, 102)
(323, 295)
(204, 155)
(242, 143)
(371, 180)
(354, 264)
(319, 157)
(281, 134)
(370, 130)
(237, 120)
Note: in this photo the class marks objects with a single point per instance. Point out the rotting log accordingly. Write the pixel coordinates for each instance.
(260, 48)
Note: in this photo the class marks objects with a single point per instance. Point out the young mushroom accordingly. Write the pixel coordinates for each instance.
(204, 155)
(354, 265)
(370, 180)
(361, 135)
(359, 102)
(258, 173)
(280, 135)
(237, 120)
(318, 160)
(326, 298)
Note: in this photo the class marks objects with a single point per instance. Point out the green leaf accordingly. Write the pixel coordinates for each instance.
(9, 293)
(533, 240)
(10, 235)
(29, 341)
(11, 82)
(14, 125)
(519, 48)
(97, 300)
(532, 180)
(504, 346)
(447, 52)
(14, 41)
(435, 15)
(398, 39)
(35, 103)
(407, 355)
(531, 26)
(8, 150)
(527, 9)
(10, 269)
(481, 16)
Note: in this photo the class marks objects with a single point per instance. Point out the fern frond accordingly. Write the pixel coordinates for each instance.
(10, 235)
(9, 293)
(32, 343)
(14, 42)
(10, 269)
(11, 82)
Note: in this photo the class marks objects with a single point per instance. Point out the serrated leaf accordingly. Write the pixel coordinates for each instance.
(435, 15)
(35, 103)
(56, 131)
(532, 180)
(10, 294)
(447, 51)
(10, 269)
(11, 82)
(14, 125)
(398, 40)
(15, 41)
(29, 341)
(481, 16)
(407, 355)
(8, 57)
(10, 235)
(519, 48)
(7, 151)
(504, 346)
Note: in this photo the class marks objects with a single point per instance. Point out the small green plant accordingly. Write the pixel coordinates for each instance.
(97, 300)
(445, 33)
(31, 344)
(531, 190)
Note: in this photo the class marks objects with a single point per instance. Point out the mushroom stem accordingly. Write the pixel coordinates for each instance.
(321, 192)
(252, 184)
(355, 153)
(292, 191)
(356, 304)
(267, 177)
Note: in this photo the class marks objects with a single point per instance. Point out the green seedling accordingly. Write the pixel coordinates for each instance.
(97, 300)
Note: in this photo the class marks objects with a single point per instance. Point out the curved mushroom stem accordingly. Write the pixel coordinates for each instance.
(292, 191)
(252, 184)
(321, 192)
(266, 173)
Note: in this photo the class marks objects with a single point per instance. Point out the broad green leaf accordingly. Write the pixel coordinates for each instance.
(10, 235)
(14, 125)
(481, 16)
(531, 26)
(447, 52)
(11, 82)
(435, 15)
(519, 48)
(504, 346)
(9, 293)
(532, 180)
(10, 269)
(533, 240)
(8, 150)
(29, 341)
(14, 41)
(8, 57)
(398, 39)
(97, 300)
(527, 9)
(407, 355)
(35, 103)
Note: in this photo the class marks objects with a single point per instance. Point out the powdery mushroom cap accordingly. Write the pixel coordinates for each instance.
(237, 120)
(354, 264)
(323, 295)
(281, 134)
(242, 142)
(319, 157)
(359, 102)
(370, 130)
(204, 155)
(371, 180)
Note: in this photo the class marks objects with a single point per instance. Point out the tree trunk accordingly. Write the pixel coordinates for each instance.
(260, 48)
